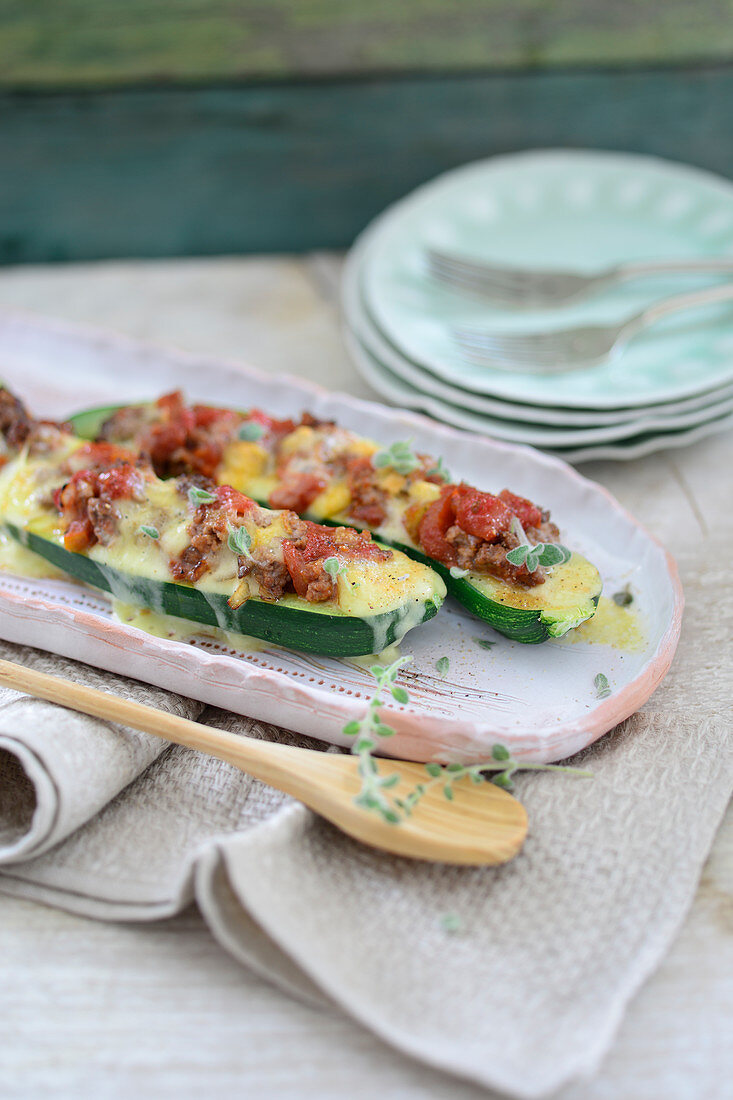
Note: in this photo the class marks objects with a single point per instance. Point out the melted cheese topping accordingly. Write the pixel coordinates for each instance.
(366, 588)
(619, 627)
(16, 559)
(566, 587)
(183, 630)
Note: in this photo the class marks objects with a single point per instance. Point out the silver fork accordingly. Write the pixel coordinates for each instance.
(573, 348)
(533, 288)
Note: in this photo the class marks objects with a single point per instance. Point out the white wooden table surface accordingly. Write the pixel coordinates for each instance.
(111, 1010)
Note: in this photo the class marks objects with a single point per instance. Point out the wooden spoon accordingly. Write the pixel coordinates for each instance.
(484, 824)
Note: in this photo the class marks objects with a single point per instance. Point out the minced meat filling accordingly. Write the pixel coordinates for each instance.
(466, 528)
(473, 530)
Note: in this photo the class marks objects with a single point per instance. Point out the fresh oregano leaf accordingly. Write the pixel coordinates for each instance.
(151, 532)
(434, 770)
(334, 567)
(200, 496)
(451, 922)
(602, 686)
(352, 728)
(448, 792)
(443, 665)
(399, 456)
(439, 470)
(400, 694)
(390, 781)
(485, 643)
(553, 553)
(251, 431)
(500, 752)
(518, 555)
(457, 573)
(239, 541)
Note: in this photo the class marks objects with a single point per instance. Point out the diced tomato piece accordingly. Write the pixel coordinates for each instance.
(206, 415)
(433, 526)
(232, 500)
(528, 514)
(481, 514)
(101, 454)
(297, 492)
(119, 482)
(270, 423)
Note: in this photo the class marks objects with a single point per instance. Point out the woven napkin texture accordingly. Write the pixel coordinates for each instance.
(524, 995)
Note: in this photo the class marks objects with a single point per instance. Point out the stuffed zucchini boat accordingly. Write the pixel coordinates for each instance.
(499, 555)
(205, 552)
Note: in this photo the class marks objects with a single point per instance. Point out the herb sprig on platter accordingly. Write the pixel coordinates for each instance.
(376, 789)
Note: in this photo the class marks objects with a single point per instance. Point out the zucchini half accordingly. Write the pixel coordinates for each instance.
(568, 597)
(291, 622)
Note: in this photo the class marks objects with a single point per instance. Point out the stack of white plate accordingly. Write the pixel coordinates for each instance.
(579, 210)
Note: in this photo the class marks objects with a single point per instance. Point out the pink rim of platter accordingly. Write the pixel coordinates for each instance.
(540, 701)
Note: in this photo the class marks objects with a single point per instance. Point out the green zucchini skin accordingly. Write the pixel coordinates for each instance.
(531, 627)
(313, 632)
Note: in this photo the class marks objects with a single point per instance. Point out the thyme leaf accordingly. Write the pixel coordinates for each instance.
(151, 532)
(443, 665)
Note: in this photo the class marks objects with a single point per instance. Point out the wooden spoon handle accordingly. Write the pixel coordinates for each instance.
(272, 763)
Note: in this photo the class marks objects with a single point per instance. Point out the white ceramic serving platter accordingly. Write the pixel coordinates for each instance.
(539, 700)
(630, 420)
(692, 427)
(576, 209)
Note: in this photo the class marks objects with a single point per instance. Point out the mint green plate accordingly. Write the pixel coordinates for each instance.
(571, 209)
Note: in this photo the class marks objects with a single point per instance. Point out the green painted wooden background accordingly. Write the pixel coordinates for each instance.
(74, 42)
(175, 127)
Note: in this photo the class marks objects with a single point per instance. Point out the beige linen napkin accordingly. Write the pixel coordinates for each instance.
(59, 768)
(523, 996)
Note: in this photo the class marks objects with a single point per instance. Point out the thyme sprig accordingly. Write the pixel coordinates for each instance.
(374, 794)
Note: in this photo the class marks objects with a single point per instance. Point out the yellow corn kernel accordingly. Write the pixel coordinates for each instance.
(300, 440)
(332, 501)
(392, 483)
(241, 461)
(424, 492)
